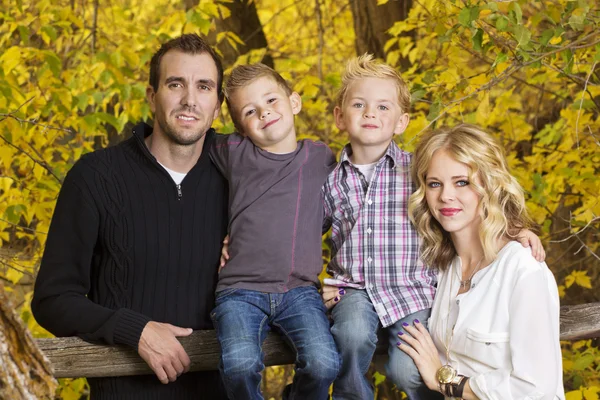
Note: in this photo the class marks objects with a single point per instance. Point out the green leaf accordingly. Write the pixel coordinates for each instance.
(582, 362)
(515, 13)
(24, 33)
(13, 213)
(500, 58)
(434, 111)
(429, 77)
(522, 35)
(493, 6)
(108, 119)
(546, 36)
(478, 39)
(50, 31)
(502, 23)
(417, 95)
(53, 62)
(468, 15)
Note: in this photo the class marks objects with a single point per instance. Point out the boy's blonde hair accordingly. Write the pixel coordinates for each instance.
(502, 202)
(366, 66)
(244, 75)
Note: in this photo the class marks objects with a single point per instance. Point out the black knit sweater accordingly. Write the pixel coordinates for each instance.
(127, 246)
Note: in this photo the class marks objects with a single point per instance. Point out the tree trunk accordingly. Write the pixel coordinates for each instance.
(244, 22)
(371, 23)
(25, 373)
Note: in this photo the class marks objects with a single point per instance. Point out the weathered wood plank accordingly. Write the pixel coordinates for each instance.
(72, 357)
(580, 321)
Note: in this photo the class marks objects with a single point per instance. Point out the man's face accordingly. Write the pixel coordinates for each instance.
(186, 102)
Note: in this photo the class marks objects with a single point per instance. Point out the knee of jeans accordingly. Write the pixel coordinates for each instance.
(404, 375)
(323, 365)
(355, 339)
(241, 368)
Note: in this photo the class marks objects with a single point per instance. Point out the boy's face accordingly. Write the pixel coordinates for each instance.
(371, 113)
(265, 114)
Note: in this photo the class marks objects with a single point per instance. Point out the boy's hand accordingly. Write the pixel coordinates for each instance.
(528, 238)
(224, 253)
(332, 295)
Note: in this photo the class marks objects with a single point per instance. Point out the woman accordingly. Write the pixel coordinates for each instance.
(494, 323)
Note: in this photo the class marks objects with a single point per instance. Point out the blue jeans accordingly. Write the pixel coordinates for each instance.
(355, 325)
(242, 319)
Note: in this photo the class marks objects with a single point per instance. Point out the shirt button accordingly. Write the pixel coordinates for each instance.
(369, 231)
(369, 202)
(369, 259)
(457, 301)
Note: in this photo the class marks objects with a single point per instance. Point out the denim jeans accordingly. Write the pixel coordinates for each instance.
(242, 319)
(355, 325)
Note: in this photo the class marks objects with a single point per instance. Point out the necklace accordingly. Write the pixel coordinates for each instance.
(445, 374)
(466, 284)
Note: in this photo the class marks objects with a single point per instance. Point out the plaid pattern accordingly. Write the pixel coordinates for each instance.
(374, 244)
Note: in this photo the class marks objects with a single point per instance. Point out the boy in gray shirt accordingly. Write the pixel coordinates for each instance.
(275, 222)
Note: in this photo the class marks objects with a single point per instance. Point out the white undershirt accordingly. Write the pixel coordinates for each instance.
(366, 169)
(176, 176)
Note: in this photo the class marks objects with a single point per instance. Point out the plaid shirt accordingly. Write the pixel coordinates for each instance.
(374, 244)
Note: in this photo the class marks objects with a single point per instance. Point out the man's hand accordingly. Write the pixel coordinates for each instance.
(224, 253)
(162, 351)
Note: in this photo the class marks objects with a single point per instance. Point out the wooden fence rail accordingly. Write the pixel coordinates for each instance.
(72, 357)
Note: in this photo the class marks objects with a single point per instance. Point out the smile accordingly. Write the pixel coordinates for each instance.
(449, 212)
(268, 124)
(186, 118)
(369, 126)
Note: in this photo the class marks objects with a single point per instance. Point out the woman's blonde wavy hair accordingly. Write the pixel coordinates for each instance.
(502, 202)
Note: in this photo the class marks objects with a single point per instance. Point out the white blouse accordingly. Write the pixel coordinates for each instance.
(506, 334)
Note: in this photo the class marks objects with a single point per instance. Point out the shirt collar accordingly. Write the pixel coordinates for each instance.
(393, 153)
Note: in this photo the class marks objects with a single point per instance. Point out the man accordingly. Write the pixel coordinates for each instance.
(133, 248)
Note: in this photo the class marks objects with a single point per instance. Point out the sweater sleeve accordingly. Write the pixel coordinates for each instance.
(536, 361)
(60, 303)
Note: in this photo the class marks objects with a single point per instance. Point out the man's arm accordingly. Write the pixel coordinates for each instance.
(60, 303)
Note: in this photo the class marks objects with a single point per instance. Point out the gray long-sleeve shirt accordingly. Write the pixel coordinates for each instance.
(275, 213)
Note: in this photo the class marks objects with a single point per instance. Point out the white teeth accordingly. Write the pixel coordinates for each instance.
(186, 118)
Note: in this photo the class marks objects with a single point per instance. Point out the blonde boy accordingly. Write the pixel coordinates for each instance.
(271, 277)
(375, 258)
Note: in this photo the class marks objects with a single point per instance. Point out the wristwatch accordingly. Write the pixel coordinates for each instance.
(445, 374)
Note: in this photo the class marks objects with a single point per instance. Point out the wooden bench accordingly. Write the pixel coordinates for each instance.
(72, 357)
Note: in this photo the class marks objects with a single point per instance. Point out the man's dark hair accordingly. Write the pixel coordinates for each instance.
(189, 43)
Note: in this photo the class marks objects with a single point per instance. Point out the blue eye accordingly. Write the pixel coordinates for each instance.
(433, 184)
(462, 182)
(383, 108)
(358, 105)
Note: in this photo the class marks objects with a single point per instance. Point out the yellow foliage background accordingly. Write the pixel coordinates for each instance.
(73, 76)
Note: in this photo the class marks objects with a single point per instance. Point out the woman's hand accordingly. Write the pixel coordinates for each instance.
(417, 343)
(332, 295)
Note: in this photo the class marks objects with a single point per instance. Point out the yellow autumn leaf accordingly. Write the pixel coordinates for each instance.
(574, 395)
(10, 59)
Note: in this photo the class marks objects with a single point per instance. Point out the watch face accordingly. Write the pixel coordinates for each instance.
(445, 374)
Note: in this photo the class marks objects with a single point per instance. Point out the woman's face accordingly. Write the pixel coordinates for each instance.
(450, 196)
